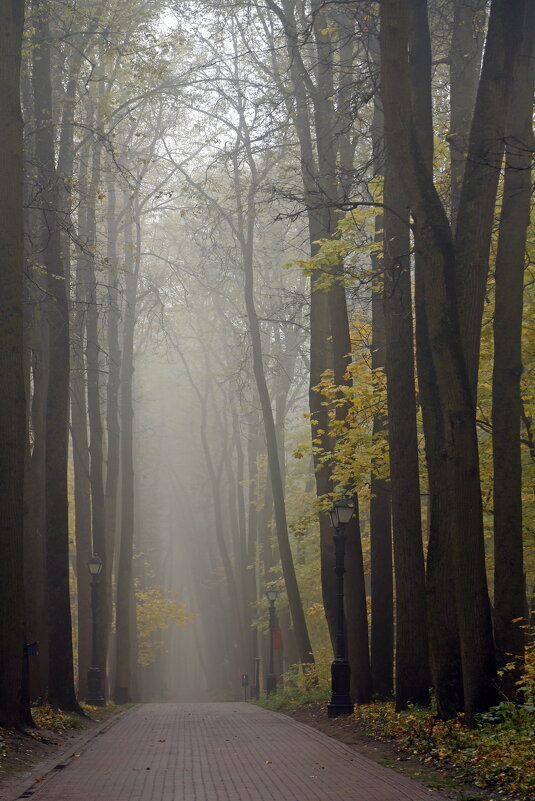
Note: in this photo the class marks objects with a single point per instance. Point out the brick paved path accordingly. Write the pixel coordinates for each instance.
(221, 752)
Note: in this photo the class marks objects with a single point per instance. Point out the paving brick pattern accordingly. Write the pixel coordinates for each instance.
(221, 752)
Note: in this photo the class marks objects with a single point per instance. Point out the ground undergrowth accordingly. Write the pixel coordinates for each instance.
(20, 750)
(496, 756)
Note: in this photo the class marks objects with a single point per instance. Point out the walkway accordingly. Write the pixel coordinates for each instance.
(221, 752)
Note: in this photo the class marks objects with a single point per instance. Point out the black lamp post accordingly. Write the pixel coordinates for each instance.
(271, 679)
(340, 703)
(94, 674)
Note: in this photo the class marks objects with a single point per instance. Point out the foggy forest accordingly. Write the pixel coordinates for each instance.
(263, 263)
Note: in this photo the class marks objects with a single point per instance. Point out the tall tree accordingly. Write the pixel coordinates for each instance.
(114, 371)
(80, 448)
(382, 585)
(61, 690)
(412, 656)
(509, 580)
(96, 445)
(13, 708)
(124, 677)
(467, 38)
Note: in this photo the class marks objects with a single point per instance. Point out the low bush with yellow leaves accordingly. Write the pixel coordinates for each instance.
(497, 752)
(46, 717)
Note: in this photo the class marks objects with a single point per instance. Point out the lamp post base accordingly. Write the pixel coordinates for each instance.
(271, 684)
(341, 702)
(94, 687)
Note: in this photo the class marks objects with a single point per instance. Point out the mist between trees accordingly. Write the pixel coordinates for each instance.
(257, 256)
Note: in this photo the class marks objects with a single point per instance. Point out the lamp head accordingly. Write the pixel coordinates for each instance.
(342, 511)
(271, 594)
(95, 565)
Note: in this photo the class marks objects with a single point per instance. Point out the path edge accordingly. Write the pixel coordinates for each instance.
(434, 794)
(25, 785)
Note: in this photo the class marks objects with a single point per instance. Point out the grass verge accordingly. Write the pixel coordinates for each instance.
(498, 752)
(46, 717)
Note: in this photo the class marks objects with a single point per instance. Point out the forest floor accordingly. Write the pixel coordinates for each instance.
(57, 735)
(494, 760)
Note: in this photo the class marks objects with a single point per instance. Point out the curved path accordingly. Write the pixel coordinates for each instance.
(220, 752)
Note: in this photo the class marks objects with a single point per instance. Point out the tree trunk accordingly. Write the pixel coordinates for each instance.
(509, 589)
(252, 529)
(382, 585)
(354, 589)
(114, 377)
(444, 644)
(477, 201)
(34, 524)
(445, 657)
(123, 691)
(96, 458)
(467, 39)
(241, 556)
(80, 449)
(288, 569)
(61, 690)
(412, 656)
(382, 589)
(13, 708)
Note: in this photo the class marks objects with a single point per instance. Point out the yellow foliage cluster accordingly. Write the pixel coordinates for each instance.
(155, 612)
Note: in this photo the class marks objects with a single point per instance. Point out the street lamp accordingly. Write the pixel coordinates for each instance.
(340, 703)
(94, 674)
(271, 679)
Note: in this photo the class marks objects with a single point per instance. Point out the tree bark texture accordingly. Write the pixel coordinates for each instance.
(114, 376)
(382, 584)
(509, 589)
(445, 658)
(412, 653)
(34, 525)
(467, 39)
(96, 448)
(82, 484)
(288, 568)
(61, 690)
(123, 690)
(477, 201)
(444, 643)
(354, 591)
(13, 407)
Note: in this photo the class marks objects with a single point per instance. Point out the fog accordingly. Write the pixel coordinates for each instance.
(195, 404)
